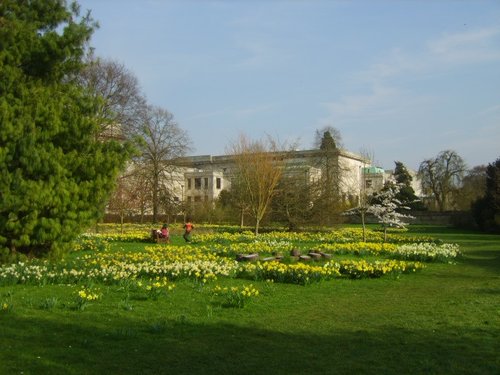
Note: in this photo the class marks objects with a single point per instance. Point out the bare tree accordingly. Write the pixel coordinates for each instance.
(121, 103)
(362, 210)
(364, 199)
(239, 198)
(441, 176)
(163, 141)
(124, 200)
(140, 186)
(292, 202)
(368, 155)
(258, 169)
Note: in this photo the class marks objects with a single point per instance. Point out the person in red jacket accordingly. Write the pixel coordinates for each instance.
(165, 233)
(161, 235)
(188, 227)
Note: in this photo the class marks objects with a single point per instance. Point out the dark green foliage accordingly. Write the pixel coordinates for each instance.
(486, 210)
(472, 189)
(56, 172)
(406, 194)
(329, 202)
(401, 174)
(327, 142)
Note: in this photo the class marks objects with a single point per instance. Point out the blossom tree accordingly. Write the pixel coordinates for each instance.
(387, 208)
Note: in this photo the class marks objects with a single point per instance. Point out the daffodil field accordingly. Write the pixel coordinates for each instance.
(230, 302)
(213, 256)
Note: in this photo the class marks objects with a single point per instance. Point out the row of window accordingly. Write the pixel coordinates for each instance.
(200, 183)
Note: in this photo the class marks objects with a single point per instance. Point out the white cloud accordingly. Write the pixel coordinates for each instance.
(493, 110)
(472, 46)
(379, 101)
(469, 47)
(384, 81)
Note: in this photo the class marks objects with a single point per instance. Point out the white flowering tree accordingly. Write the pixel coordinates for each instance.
(387, 209)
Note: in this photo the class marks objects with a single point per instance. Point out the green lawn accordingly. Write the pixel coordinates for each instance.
(444, 319)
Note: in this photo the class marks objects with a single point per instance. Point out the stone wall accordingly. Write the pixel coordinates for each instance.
(453, 218)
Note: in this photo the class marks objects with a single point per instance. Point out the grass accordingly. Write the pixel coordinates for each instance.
(444, 319)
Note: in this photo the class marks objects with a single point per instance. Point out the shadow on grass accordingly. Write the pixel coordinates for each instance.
(182, 347)
(486, 259)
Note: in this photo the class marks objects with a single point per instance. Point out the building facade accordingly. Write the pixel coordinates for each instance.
(199, 180)
(205, 176)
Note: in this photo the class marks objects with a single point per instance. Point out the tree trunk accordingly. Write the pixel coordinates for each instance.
(242, 214)
(121, 222)
(363, 225)
(155, 198)
(257, 224)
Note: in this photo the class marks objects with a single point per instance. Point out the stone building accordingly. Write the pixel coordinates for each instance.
(202, 178)
(193, 180)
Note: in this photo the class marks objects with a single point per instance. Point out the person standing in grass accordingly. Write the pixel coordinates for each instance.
(165, 233)
(188, 227)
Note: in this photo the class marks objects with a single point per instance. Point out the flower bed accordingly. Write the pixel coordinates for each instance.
(213, 256)
(428, 252)
(189, 263)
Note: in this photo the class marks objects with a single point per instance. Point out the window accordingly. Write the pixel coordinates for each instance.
(368, 184)
(197, 183)
(218, 183)
(197, 199)
(206, 183)
(189, 199)
(189, 184)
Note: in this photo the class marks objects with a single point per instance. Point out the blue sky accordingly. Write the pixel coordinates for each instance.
(401, 80)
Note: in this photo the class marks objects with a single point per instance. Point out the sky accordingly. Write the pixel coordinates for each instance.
(400, 80)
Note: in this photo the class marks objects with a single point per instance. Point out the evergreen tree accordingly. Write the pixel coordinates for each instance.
(327, 137)
(329, 202)
(406, 194)
(472, 188)
(486, 210)
(56, 171)
(327, 142)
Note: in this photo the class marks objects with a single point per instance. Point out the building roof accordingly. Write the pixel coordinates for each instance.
(296, 154)
(373, 170)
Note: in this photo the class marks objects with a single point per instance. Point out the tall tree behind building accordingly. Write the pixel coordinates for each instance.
(328, 202)
(163, 140)
(119, 103)
(406, 194)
